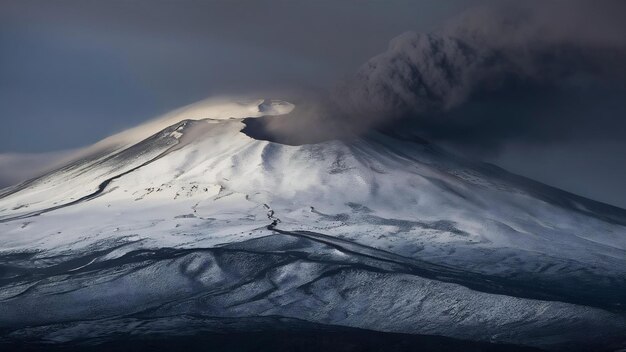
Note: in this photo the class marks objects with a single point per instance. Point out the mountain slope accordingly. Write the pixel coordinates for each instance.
(379, 232)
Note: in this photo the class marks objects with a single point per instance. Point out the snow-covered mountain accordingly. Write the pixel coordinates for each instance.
(185, 222)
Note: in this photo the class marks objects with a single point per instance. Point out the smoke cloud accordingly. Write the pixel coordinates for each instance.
(536, 71)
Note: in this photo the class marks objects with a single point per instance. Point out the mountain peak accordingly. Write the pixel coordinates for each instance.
(203, 206)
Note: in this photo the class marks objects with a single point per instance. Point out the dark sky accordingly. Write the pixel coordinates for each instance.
(73, 72)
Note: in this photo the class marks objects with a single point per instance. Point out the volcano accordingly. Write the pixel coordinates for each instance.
(192, 225)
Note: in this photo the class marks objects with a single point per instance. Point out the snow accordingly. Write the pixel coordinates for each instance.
(192, 181)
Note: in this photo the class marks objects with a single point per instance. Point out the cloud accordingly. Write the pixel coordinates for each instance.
(419, 74)
(499, 73)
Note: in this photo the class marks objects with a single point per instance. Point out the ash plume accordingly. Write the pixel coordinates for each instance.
(498, 73)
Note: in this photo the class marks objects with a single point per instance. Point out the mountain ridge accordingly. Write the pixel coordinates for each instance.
(301, 231)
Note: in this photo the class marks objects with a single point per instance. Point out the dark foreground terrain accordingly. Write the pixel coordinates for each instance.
(301, 339)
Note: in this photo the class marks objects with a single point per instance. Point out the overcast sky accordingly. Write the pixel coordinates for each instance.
(73, 72)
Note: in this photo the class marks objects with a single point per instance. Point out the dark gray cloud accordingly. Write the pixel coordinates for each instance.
(500, 73)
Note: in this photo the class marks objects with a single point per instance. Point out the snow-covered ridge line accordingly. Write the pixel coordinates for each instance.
(217, 108)
(214, 108)
(175, 131)
(126, 143)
